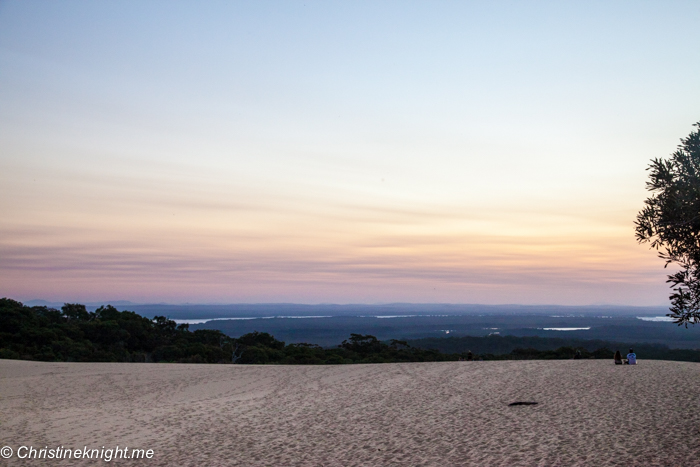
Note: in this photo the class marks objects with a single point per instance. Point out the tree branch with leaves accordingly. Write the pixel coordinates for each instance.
(670, 223)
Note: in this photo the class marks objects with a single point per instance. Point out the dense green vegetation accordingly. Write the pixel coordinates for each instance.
(495, 347)
(105, 335)
(110, 335)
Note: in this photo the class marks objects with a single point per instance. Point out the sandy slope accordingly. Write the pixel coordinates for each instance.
(457, 413)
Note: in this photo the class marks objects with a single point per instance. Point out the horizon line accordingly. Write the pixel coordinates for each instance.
(130, 303)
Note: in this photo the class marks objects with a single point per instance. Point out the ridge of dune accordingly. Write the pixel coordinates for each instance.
(589, 412)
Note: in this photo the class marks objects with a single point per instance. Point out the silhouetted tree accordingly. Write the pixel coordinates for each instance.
(362, 344)
(75, 311)
(670, 221)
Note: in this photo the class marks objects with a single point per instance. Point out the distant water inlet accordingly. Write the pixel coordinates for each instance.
(656, 318)
(566, 329)
(200, 321)
(204, 320)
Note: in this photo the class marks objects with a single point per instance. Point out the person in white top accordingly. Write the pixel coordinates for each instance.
(631, 358)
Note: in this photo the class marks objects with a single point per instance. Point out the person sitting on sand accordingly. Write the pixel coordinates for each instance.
(470, 357)
(631, 358)
(618, 358)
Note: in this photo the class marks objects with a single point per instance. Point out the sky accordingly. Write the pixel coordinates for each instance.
(338, 152)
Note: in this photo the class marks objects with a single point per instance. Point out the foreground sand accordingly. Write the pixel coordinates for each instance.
(456, 413)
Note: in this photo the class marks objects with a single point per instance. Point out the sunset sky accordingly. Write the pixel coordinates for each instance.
(338, 152)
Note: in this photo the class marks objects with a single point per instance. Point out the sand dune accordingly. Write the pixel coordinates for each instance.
(455, 413)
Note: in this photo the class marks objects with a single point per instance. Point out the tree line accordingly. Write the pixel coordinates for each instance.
(74, 334)
(496, 347)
